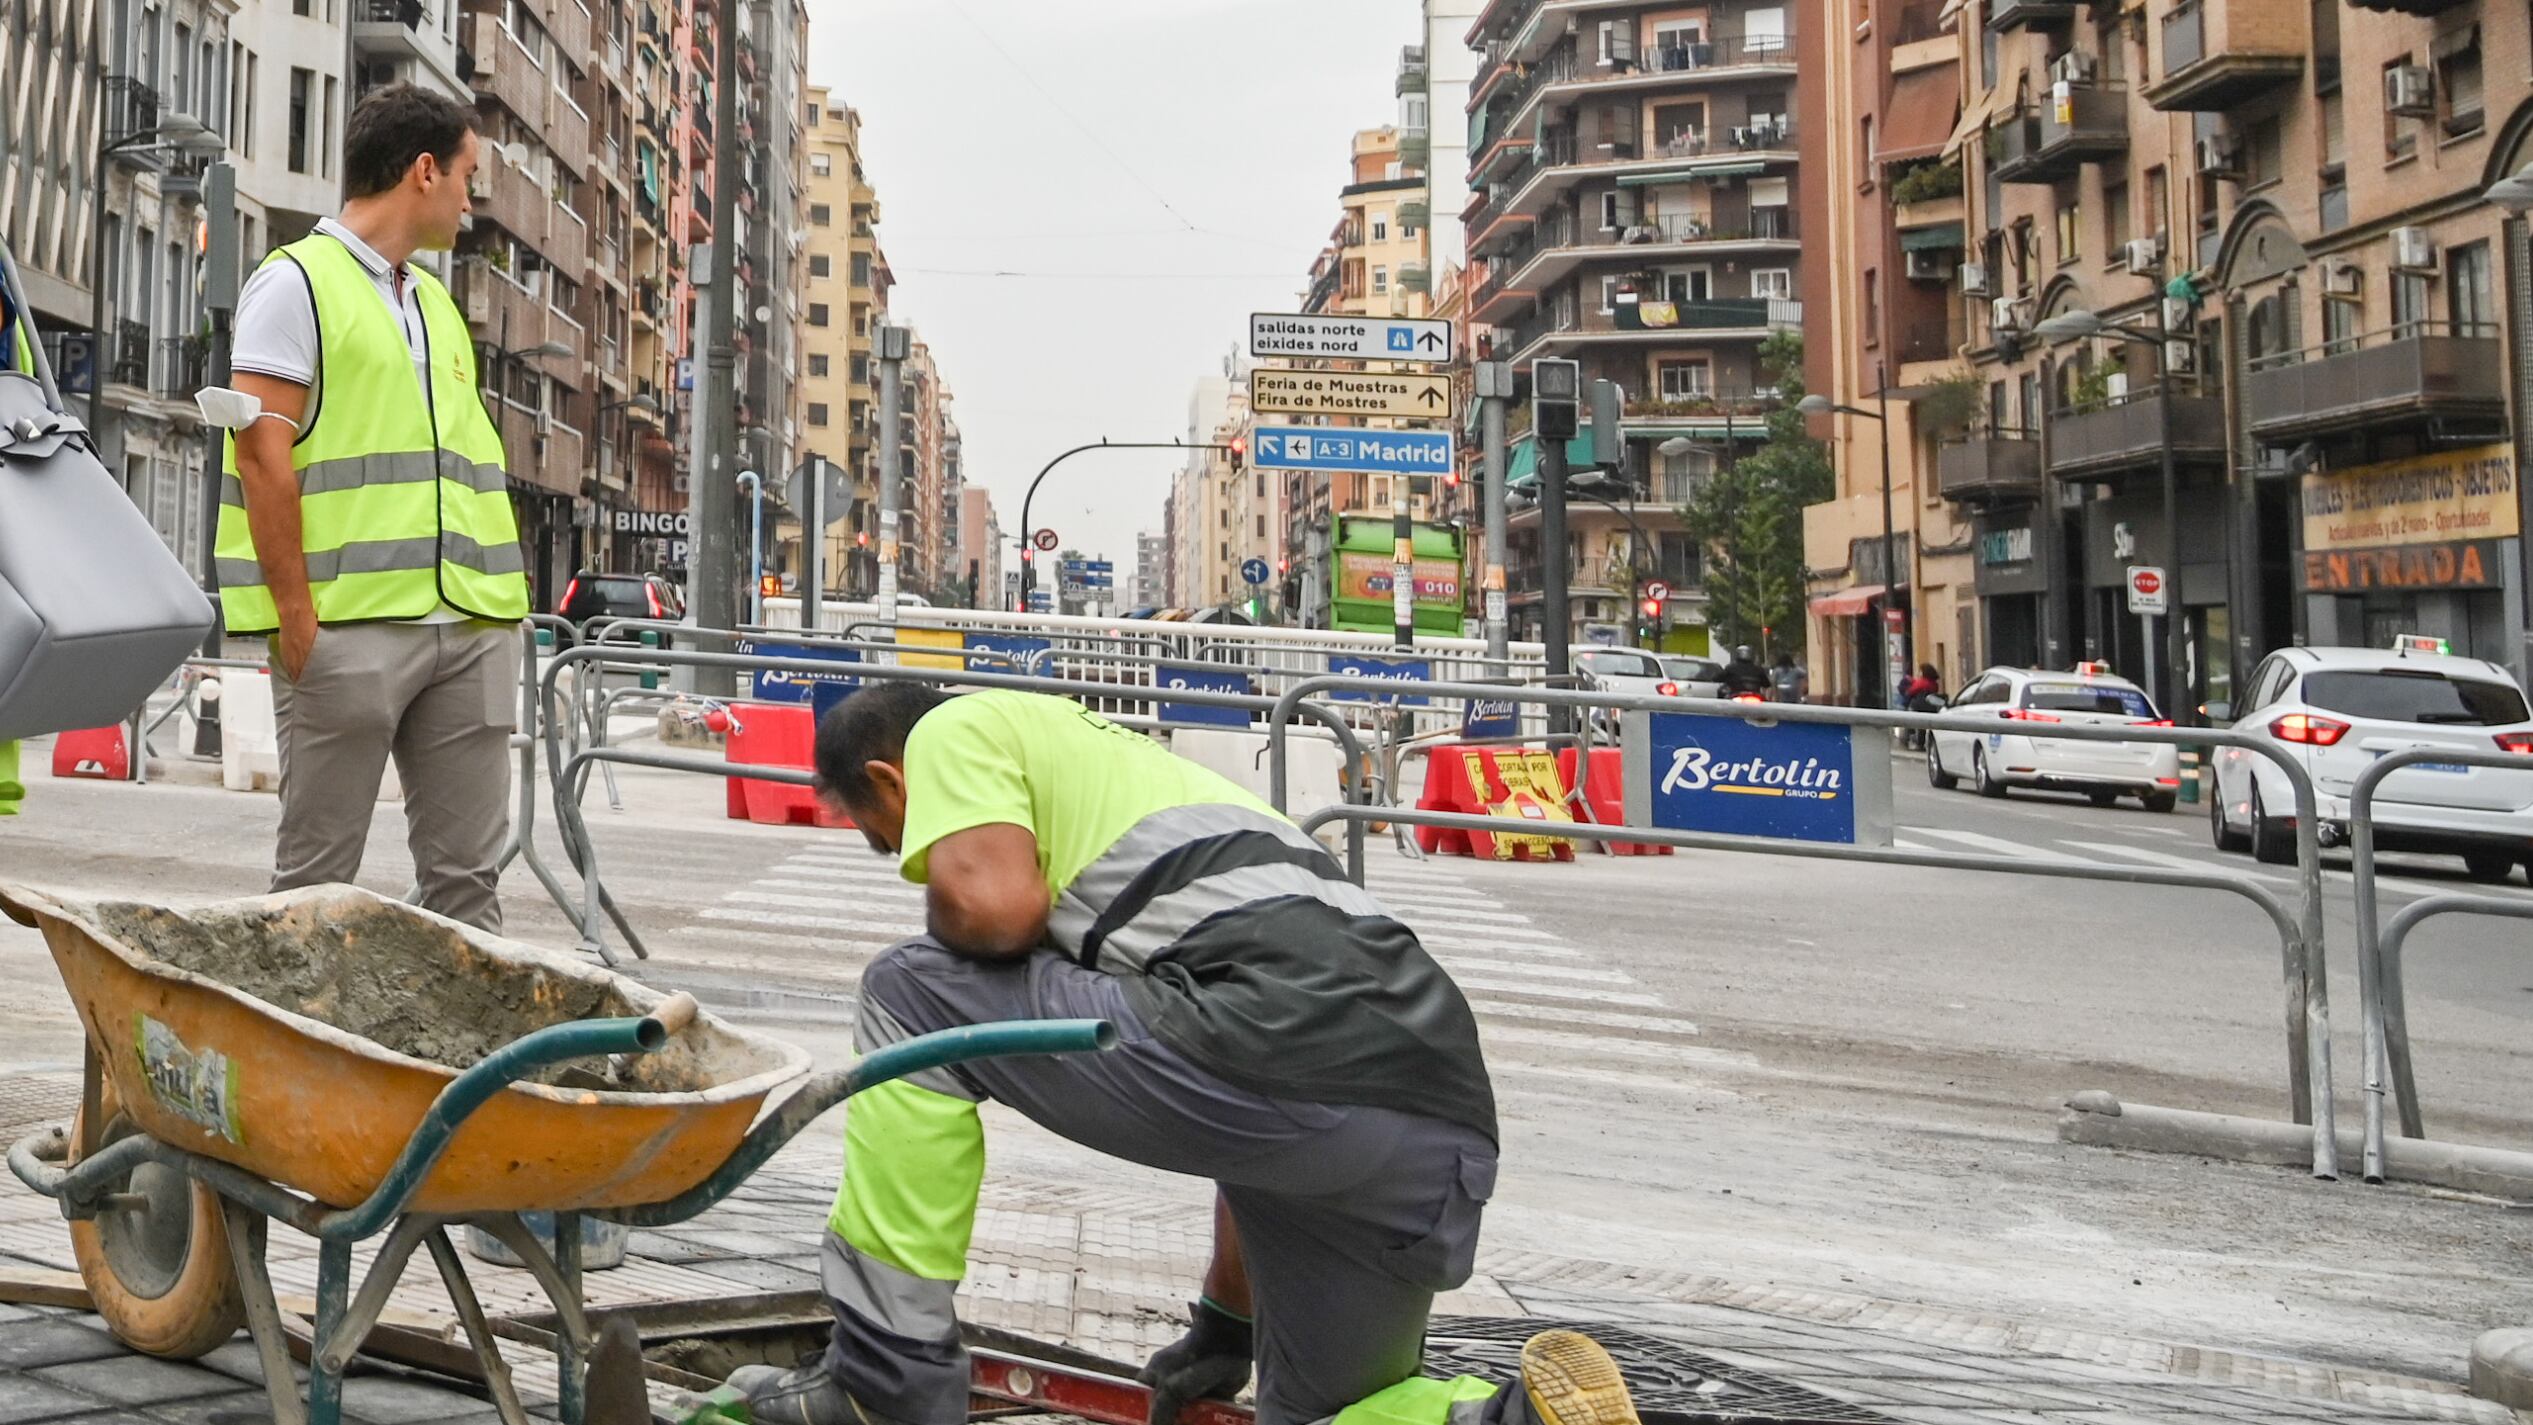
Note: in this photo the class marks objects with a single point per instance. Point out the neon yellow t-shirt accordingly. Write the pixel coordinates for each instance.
(12, 791)
(1073, 778)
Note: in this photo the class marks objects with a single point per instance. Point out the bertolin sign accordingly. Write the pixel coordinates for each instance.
(1781, 780)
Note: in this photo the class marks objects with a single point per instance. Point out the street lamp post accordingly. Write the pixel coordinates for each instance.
(1822, 405)
(2515, 195)
(2077, 326)
(1028, 552)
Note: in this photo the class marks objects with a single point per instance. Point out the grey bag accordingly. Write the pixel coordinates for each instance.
(95, 610)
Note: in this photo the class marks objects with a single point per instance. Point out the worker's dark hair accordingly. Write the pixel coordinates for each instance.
(396, 125)
(870, 726)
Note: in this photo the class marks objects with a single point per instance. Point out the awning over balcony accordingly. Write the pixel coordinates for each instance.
(1975, 118)
(1521, 462)
(1919, 120)
(1736, 168)
(1940, 237)
(1847, 603)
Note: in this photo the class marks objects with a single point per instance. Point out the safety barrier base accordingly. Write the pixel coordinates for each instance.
(2097, 1119)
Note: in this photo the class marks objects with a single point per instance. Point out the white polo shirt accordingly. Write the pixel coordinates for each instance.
(276, 330)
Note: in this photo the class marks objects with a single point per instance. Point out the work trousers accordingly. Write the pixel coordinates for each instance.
(1350, 1218)
(442, 699)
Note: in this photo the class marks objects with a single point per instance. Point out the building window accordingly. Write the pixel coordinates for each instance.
(821, 265)
(1873, 307)
(861, 269)
(2409, 303)
(817, 413)
(2070, 225)
(821, 165)
(818, 361)
(2344, 316)
(861, 369)
(1776, 283)
(301, 82)
(2458, 80)
(1380, 279)
(2467, 291)
(1380, 227)
(1686, 380)
(2115, 217)
(817, 314)
(820, 215)
(2264, 153)
(812, 113)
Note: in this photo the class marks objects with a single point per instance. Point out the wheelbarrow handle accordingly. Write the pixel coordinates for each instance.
(901, 1060)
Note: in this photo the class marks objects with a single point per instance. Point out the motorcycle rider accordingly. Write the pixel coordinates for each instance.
(1743, 677)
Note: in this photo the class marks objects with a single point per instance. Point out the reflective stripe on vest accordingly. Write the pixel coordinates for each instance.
(403, 503)
(1182, 866)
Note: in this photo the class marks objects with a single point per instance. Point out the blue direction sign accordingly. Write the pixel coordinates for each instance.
(1377, 452)
(1253, 571)
(1786, 781)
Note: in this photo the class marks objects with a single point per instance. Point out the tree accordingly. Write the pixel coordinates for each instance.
(1748, 515)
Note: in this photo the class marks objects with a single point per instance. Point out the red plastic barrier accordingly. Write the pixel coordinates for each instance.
(775, 735)
(97, 752)
(1607, 797)
(1470, 781)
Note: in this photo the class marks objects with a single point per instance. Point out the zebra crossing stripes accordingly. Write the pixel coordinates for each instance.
(1929, 838)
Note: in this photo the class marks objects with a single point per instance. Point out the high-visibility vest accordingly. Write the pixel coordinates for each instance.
(403, 502)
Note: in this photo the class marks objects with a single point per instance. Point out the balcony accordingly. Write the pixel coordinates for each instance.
(1411, 70)
(131, 366)
(2220, 53)
(2126, 434)
(2409, 7)
(184, 367)
(1566, 77)
(2053, 144)
(2004, 15)
(1415, 147)
(2420, 375)
(390, 27)
(1989, 466)
(1563, 326)
(503, 73)
(1559, 160)
(132, 107)
(1415, 277)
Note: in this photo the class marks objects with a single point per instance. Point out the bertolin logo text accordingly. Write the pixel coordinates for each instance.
(1694, 769)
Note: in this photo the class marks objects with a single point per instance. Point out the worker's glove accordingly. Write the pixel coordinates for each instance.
(1210, 1362)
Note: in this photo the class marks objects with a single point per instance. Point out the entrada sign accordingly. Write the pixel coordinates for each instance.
(2454, 564)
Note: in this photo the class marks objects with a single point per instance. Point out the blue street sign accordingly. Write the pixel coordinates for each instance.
(1253, 571)
(1399, 670)
(1018, 651)
(1491, 717)
(1378, 452)
(779, 686)
(1786, 781)
(1201, 677)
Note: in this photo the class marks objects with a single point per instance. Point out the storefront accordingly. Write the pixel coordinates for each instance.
(2425, 544)
(2012, 579)
(2127, 532)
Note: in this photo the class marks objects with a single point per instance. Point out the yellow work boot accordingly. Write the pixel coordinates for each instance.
(1571, 1380)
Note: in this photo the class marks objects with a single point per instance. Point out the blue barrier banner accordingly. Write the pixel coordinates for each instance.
(1199, 677)
(1396, 670)
(1490, 717)
(1016, 649)
(1787, 781)
(778, 686)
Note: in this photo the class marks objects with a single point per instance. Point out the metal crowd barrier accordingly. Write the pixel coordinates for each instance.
(2381, 1001)
(569, 771)
(2299, 925)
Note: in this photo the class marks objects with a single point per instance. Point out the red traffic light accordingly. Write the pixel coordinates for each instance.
(1239, 445)
(1652, 608)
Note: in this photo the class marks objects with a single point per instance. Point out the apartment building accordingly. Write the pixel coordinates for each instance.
(1434, 77)
(844, 296)
(773, 44)
(1887, 323)
(655, 304)
(1151, 588)
(1632, 172)
(2283, 202)
(980, 552)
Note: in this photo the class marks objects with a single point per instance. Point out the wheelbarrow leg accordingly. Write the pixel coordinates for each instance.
(571, 1323)
(569, 1359)
(263, 1314)
(336, 1351)
(334, 1289)
(479, 1332)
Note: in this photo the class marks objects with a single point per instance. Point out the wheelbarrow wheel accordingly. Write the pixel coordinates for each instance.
(159, 1270)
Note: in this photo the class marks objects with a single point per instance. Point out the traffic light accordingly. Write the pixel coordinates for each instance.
(1651, 608)
(770, 585)
(1556, 389)
(1239, 445)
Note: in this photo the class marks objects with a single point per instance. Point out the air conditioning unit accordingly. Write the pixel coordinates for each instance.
(2220, 156)
(2343, 279)
(1928, 267)
(545, 423)
(2006, 313)
(1974, 279)
(2073, 67)
(2413, 250)
(2410, 90)
(2145, 256)
(2181, 356)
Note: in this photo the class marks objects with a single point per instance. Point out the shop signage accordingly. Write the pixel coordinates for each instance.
(2006, 546)
(2445, 499)
(652, 524)
(2451, 564)
(1789, 781)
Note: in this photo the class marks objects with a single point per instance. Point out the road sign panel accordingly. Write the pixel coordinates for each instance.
(1378, 452)
(1351, 338)
(1253, 571)
(1046, 541)
(1657, 591)
(2148, 591)
(1407, 396)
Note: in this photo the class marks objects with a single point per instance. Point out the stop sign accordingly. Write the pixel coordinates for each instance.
(2146, 590)
(2149, 582)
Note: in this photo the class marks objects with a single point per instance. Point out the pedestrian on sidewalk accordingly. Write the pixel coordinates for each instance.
(368, 529)
(1789, 681)
(1279, 1033)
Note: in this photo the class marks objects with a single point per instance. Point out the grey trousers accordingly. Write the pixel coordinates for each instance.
(442, 699)
(1350, 1218)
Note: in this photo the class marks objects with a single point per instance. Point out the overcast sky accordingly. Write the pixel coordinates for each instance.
(1148, 171)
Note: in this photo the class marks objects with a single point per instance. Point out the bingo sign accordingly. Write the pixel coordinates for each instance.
(1200, 677)
(1780, 780)
(1396, 670)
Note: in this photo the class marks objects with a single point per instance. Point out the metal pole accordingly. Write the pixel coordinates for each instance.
(2178, 704)
(894, 345)
(1402, 564)
(1495, 391)
(714, 599)
(756, 544)
(1890, 555)
(1552, 564)
(813, 548)
(2519, 241)
(219, 298)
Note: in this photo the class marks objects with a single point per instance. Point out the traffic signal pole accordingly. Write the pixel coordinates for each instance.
(1402, 564)
(1495, 392)
(895, 344)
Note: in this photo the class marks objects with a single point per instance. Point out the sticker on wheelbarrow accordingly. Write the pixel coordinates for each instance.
(198, 1086)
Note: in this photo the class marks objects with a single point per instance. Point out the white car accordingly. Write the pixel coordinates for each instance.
(1697, 677)
(1625, 670)
(2023, 697)
(2337, 710)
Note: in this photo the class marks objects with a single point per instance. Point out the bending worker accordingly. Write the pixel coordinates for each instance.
(1281, 1034)
(366, 525)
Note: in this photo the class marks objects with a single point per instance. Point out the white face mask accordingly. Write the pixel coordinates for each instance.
(234, 410)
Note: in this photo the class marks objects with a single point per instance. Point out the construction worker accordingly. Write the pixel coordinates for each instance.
(367, 526)
(1280, 1033)
(12, 791)
(17, 353)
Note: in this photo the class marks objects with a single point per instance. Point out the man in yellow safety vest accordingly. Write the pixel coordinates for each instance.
(366, 525)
